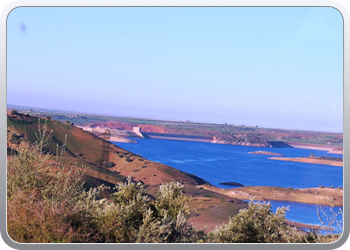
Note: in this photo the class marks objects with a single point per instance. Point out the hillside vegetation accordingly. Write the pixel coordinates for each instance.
(48, 199)
(83, 150)
(48, 203)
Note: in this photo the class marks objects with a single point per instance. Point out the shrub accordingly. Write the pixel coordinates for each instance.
(128, 159)
(331, 221)
(134, 218)
(15, 139)
(257, 224)
(110, 164)
(121, 221)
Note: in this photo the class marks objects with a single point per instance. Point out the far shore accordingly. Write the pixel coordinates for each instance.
(329, 149)
(121, 138)
(165, 137)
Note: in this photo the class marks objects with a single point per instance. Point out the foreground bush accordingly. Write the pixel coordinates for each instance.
(134, 217)
(258, 224)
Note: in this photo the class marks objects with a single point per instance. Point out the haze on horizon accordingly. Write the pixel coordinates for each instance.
(272, 67)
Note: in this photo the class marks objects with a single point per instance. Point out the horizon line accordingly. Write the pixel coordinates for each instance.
(158, 119)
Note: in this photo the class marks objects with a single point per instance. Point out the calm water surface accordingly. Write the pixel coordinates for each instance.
(216, 163)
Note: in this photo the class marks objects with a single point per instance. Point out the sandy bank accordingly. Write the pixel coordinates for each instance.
(303, 225)
(320, 196)
(329, 149)
(309, 160)
(265, 153)
(121, 139)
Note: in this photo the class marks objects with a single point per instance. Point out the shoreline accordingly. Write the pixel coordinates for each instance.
(160, 137)
(329, 149)
(309, 160)
(121, 139)
(315, 196)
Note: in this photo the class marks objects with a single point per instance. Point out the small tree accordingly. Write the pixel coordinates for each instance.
(331, 221)
(14, 112)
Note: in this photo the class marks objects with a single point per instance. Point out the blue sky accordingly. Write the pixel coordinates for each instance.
(268, 66)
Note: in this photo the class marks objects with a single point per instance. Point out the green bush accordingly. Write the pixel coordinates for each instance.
(135, 218)
(15, 139)
(129, 159)
(258, 224)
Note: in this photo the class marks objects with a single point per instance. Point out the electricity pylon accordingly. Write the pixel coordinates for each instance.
(104, 161)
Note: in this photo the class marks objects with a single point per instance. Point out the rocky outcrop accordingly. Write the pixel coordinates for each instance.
(113, 125)
(243, 140)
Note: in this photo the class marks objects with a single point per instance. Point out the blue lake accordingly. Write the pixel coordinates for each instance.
(216, 163)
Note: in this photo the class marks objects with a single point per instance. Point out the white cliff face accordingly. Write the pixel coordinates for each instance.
(137, 130)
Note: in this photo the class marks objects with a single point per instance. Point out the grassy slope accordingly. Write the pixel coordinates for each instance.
(85, 149)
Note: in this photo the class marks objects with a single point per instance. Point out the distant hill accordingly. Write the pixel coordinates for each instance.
(223, 133)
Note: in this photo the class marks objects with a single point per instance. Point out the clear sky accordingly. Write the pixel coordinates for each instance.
(266, 66)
